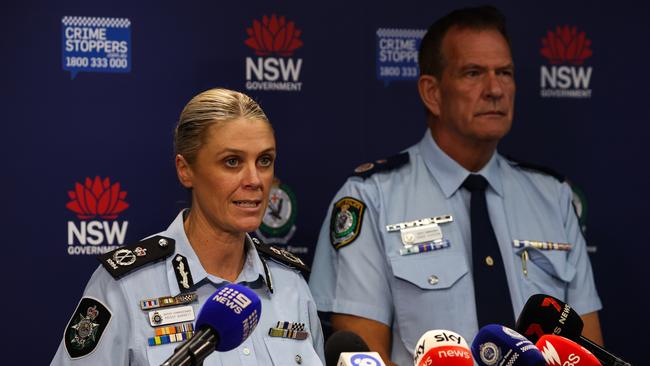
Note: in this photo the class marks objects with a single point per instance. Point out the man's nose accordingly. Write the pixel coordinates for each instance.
(493, 87)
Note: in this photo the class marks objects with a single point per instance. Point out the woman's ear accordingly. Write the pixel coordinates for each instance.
(184, 171)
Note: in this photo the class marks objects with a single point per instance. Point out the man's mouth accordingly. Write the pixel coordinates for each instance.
(491, 113)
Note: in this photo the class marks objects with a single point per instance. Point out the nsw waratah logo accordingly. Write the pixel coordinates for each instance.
(274, 40)
(97, 204)
(566, 50)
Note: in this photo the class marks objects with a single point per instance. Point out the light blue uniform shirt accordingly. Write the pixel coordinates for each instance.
(124, 341)
(434, 290)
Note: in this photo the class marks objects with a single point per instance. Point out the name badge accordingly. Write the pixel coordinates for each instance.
(421, 235)
(164, 316)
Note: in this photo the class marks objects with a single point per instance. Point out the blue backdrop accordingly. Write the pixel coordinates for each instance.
(93, 89)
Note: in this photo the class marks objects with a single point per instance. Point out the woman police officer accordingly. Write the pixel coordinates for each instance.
(136, 306)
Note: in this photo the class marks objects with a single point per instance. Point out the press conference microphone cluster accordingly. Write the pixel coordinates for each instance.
(442, 347)
(226, 319)
(344, 348)
(499, 345)
(544, 314)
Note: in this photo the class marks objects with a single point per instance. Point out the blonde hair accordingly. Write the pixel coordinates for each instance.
(211, 107)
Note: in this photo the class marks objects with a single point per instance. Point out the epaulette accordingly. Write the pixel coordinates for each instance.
(121, 261)
(280, 255)
(535, 167)
(367, 169)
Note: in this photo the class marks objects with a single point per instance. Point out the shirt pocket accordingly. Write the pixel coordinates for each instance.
(291, 352)
(428, 291)
(549, 272)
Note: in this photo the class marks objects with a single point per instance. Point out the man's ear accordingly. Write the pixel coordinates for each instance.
(184, 171)
(429, 89)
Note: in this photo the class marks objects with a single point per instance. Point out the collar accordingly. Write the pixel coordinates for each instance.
(253, 274)
(449, 174)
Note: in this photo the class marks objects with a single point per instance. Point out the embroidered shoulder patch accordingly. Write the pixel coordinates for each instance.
(85, 328)
(345, 224)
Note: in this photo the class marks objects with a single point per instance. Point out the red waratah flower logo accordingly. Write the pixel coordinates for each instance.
(97, 198)
(566, 45)
(273, 35)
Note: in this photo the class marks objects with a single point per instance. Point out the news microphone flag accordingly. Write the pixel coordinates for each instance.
(226, 319)
(560, 351)
(360, 359)
(499, 345)
(442, 347)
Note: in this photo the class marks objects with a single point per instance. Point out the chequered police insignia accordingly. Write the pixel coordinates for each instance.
(86, 327)
(345, 224)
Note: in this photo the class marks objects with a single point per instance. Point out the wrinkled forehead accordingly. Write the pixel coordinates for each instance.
(477, 46)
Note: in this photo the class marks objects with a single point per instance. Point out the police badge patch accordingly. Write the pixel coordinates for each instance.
(86, 327)
(345, 224)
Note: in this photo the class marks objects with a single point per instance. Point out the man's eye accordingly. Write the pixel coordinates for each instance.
(232, 162)
(472, 73)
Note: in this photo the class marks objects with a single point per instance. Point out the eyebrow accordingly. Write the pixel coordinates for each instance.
(237, 151)
(482, 67)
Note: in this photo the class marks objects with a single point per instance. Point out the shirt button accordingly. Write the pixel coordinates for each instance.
(433, 280)
(298, 359)
(489, 261)
(246, 351)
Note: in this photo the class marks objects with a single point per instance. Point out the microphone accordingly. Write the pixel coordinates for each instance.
(226, 319)
(562, 351)
(342, 341)
(499, 345)
(442, 348)
(544, 314)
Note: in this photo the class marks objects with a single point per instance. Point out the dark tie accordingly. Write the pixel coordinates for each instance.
(493, 304)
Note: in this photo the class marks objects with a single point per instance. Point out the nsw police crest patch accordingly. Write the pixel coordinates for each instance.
(345, 225)
(86, 327)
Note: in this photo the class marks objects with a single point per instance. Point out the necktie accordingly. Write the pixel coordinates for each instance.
(493, 303)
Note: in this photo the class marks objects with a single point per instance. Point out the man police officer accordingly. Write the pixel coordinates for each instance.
(394, 256)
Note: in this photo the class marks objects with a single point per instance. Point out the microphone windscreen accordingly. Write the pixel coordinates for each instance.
(498, 345)
(442, 348)
(343, 341)
(232, 312)
(544, 314)
(559, 351)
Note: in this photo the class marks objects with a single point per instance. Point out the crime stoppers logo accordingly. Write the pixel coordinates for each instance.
(397, 54)
(97, 204)
(274, 40)
(566, 50)
(93, 44)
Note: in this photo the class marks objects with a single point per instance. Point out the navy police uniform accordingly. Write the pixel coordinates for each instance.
(364, 264)
(117, 319)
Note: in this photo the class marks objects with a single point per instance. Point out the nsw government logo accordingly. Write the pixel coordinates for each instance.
(274, 40)
(92, 44)
(397, 54)
(566, 50)
(97, 204)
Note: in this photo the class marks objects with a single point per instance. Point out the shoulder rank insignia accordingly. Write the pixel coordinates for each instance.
(535, 167)
(130, 257)
(280, 255)
(367, 169)
(85, 328)
(345, 224)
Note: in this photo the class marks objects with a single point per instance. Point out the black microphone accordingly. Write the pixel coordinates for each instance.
(226, 319)
(342, 341)
(544, 314)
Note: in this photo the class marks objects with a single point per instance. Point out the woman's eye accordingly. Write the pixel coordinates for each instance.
(265, 161)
